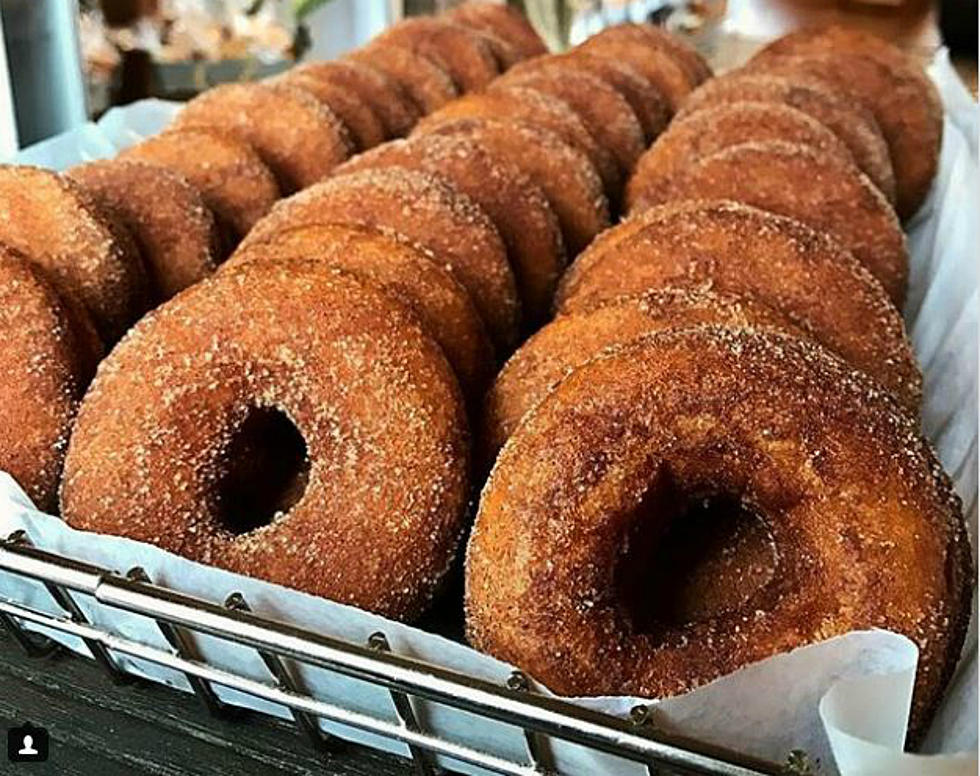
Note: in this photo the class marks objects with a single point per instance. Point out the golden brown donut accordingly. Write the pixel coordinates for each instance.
(904, 101)
(566, 343)
(428, 210)
(567, 177)
(837, 198)
(710, 130)
(383, 94)
(732, 248)
(50, 350)
(464, 53)
(362, 123)
(377, 455)
(235, 183)
(406, 271)
(695, 66)
(427, 84)
(517, 206)
(166, 215)
(854, 124)
(713, 420)
(81, 249)
(504, 21)
(297, 136)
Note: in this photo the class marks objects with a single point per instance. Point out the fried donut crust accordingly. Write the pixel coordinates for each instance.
(504, 21)
(234, 181)
(566, 175)
(427, 84)
(177, 235)
(50, 350)
(733, 248)
(299, 137)
(695, 66)
(405, 270)
(516, 205)
(837, 198)
(853, 497)
(428, 210)
(711, 130)
(854, 124)
(82, 250)
(372, 395)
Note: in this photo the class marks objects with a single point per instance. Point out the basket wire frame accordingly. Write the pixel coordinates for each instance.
(406, 680)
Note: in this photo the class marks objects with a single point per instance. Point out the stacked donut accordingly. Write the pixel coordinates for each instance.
(729, 365)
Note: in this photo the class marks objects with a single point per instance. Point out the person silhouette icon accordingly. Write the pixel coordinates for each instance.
(27, 743)
(28, 747)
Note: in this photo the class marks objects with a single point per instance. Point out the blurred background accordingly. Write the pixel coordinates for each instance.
(66, 61)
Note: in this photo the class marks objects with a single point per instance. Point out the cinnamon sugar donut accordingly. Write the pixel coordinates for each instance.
(566, 538)
(736, 249)
(517, 206)
(300, 138)
(81, 249)
(569, 341)
(366, 397)
(428, 210)
(713, 129)
(837, 198)
(234, 181)
(49, 354)
(566, 176)
(406, 271)
(166, 215)
(427, 84)
(854, 124)
(695, 66)
(505, 22)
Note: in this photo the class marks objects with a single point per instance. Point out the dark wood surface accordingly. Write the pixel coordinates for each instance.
(99, 729)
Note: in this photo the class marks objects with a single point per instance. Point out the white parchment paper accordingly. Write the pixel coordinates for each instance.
(844, 701)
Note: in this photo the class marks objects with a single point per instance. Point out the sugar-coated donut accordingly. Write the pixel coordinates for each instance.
(80, 247)
(566, 175)
(837, 198)
(504, 21)
(854, 124)
(694, 65)
(561, 562)
(235, 183)
(733, 248)
(713, 129)
(428, 210)
(177, 235)
(407, 271)
(379, 492)
(299, 137)
(50, 350)
(516, 205)
(426, 83)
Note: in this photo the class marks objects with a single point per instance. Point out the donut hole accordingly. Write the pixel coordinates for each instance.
(265, 473)
(690, 556)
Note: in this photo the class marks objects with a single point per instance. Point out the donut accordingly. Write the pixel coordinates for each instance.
(854, 124)
(403, 269)
(864, 528)
(427, 210)
(837, 198)
(695, 66)
(569, 341)
(533, 107)
(385, 96)
(503, 21)
(566, 176)
(427, 84)
(50, 350)
(732, 248)
(904, 102)
(175, 231)
(363, 430)
(462, 52)
(81, 249)
(714, 129)
(362, 123)
(605, 113)
(296, 135)
(517, 206)
(235, 183)
(505, 55)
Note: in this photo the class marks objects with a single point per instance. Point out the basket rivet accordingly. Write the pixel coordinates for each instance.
(378, 641)
(641, 715)
(17, 537)
(137, 574)
(237, 602)
(518, 682)
(798, 764)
